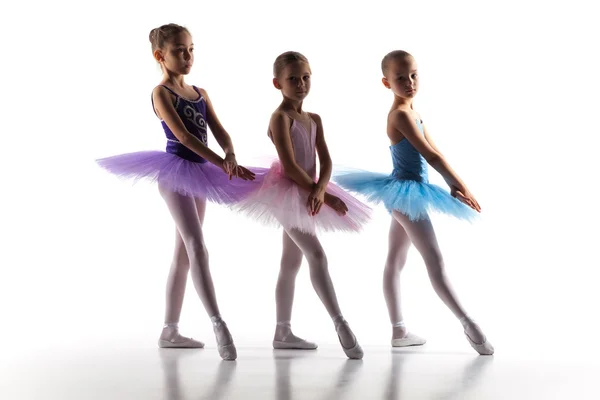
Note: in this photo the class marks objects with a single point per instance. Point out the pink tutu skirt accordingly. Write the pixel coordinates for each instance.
(281, 202)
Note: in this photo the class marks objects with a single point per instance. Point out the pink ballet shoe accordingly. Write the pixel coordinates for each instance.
(485, 348)
(181, 342)
(408, 340)
(289, 341)
(355, 352)
(227, 351)
(294, 345)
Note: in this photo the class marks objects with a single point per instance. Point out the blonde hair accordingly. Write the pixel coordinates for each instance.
(392, 56)
(285, 59)
(160, 36)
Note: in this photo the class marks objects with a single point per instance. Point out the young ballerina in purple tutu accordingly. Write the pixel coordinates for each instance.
(409, 197)
(188, 174)
(292, 196)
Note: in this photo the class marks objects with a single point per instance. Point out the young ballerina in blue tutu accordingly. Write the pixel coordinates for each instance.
(410, 198)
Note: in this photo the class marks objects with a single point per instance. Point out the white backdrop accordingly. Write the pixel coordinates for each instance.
(508, 91)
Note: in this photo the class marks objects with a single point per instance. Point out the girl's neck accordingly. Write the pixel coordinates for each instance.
(173, 80)
(402, 103)
(292, 105)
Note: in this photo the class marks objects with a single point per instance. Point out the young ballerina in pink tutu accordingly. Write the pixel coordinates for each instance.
(292, 196)
(188, 174)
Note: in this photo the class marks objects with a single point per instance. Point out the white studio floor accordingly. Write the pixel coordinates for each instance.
(127, 372)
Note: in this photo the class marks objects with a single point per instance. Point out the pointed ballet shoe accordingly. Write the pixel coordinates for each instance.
(484, 349)
(296, 345)
(355, 352)
(181, 342)
(408, 340)
(227, 351)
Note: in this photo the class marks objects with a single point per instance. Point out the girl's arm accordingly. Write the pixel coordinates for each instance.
(406, 127)
(323, 153)
(279, 128)
(220, 134)
(430, 140)
(164, 105)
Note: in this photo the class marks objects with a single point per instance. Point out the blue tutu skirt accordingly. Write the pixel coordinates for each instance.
(412, 198)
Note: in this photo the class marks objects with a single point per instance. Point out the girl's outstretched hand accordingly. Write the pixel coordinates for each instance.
(336, 203)
(230, 165)
(244, 173)
(466, 197)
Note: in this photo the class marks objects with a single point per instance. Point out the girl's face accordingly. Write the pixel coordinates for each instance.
(294, 81)
(178, 55)
(402, 78)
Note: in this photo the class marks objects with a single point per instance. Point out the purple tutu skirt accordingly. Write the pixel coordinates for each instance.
(193, 179)
(281, 202)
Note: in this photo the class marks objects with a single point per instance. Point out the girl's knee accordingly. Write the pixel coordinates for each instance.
(196, 248)
(181, 267)
(289, 269)
(436, 269)
(432, 256)
(317, 258)
(291, 261)
(395, 262)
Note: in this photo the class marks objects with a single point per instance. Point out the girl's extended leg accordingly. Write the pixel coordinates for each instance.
(321, 281)
(422, 235)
